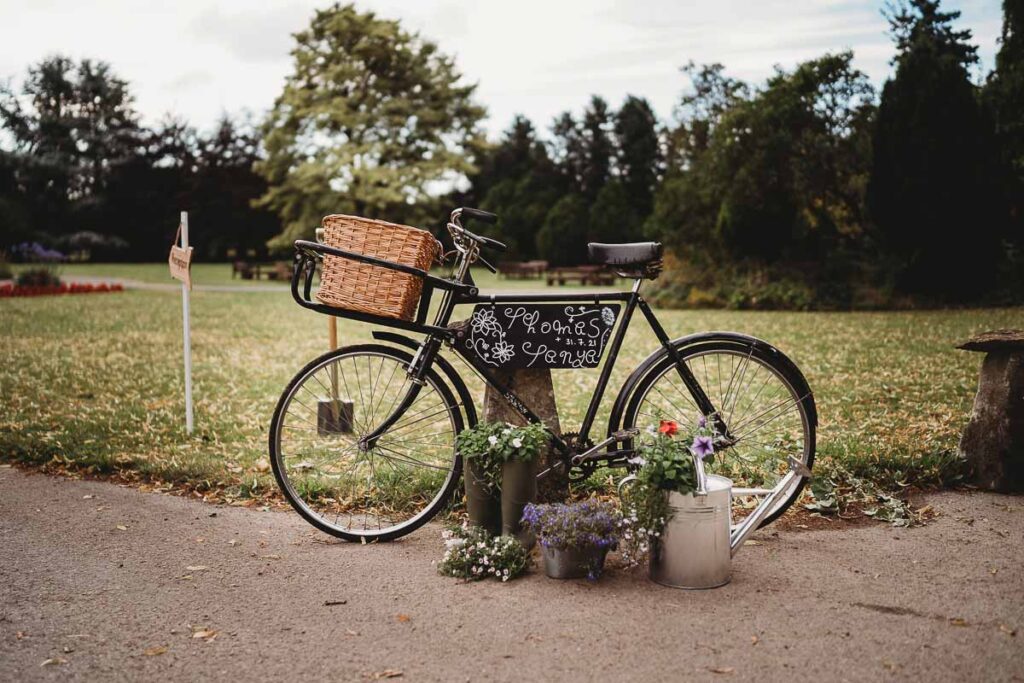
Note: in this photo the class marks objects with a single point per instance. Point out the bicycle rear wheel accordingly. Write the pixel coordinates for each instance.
(344, 488)
(762, 398)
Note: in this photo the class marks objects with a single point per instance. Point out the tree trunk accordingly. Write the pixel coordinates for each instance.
(533, 386)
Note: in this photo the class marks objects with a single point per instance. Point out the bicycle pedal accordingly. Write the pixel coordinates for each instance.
(626, 434)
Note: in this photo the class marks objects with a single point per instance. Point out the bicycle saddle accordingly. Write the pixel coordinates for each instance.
(636, 259)
(633, 254)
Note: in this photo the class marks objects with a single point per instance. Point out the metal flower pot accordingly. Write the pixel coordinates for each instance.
(573, 563)
(518, 489)
(482, 501)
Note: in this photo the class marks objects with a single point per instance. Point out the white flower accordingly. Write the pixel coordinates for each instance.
(506, 432)
(517, 442)
(637, 460)
(492, 439)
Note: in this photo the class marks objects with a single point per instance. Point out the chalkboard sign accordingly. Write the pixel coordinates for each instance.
(512, 336)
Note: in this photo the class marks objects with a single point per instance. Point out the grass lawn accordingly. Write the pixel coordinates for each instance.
(96, 381)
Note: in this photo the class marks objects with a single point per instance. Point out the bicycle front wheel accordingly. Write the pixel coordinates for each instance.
(340, 485)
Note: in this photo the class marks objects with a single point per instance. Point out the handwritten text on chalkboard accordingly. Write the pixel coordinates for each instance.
(540, 335)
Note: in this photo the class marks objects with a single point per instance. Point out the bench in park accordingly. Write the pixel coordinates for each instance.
(523, 270)
(280, 270)
(584, 275)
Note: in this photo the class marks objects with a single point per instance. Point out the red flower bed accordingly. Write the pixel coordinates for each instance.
(8, 290)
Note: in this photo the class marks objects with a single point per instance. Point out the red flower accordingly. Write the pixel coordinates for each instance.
(668, 427)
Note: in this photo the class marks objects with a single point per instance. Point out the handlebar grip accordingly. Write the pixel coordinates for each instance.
(486, 241)
(480, 215)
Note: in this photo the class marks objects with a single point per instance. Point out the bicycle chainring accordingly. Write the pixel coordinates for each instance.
(581, 472)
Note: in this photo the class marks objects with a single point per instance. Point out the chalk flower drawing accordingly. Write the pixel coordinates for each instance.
(608, 316)
(503, 351)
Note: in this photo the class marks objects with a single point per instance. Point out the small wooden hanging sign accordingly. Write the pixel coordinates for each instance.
(180, 261)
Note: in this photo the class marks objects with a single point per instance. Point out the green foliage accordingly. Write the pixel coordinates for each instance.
(563, 239)
(370, 116)
(612, 216)
(639, 156)
(473, 554)
(931, 191)
(491, 444)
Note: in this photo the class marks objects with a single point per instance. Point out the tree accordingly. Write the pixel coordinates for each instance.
(930, 187)
(639, 153)
(780, 177)
(522, 184)
(1004, 96)
(613, 217)
(370, 117)
(563, 239)
(71, 126)
(597, 146)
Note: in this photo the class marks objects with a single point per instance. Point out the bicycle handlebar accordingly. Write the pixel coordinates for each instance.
(480, 215)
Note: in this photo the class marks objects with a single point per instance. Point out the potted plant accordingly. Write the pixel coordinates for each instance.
(666, 457)
(501, 474)
(694, 550)
(574, 537)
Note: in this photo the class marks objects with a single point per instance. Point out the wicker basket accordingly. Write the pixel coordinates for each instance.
(362, 287)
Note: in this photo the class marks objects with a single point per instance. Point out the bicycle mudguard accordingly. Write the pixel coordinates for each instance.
(628, 387)
(446, 369)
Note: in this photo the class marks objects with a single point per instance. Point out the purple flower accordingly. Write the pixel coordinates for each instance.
(702, 446)
(702, 422)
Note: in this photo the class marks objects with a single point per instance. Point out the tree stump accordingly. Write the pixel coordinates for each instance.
(993, 442)
(533, 386)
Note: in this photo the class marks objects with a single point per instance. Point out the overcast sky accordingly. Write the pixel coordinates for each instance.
(199, 58)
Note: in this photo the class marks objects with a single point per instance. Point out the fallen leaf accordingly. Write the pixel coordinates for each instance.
(350, 632)
(754, 640)
(196, 568)
(753, 543)
(958, 621)
(205, 634)
(1007, 630)
(88, 496)
(233, 542)
(155, 650)
(122, 527)
(386, 673)
(403, 618)
(262, 465)
(721, 669)
(20, 634)
(332, 603)
(54, 661)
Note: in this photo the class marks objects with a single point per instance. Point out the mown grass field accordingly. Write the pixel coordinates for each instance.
(95, 381)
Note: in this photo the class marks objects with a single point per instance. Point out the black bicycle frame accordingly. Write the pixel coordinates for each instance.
(438, 333)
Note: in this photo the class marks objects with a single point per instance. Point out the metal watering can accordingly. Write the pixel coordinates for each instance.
(696, 547)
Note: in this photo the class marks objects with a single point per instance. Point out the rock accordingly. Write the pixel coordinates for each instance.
(993, 442)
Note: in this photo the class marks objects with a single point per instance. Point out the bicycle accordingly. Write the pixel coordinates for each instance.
(381, 462)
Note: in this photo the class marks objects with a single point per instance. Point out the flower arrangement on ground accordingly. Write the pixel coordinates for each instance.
(574, 537)
(666, 459)
(471, 553)
(501, 474)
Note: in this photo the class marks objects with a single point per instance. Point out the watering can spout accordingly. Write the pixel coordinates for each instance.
(797, 469)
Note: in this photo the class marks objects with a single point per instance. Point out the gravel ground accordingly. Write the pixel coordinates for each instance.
(102, 582)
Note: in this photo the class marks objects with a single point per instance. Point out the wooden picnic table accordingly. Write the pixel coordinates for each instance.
(585, 275)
